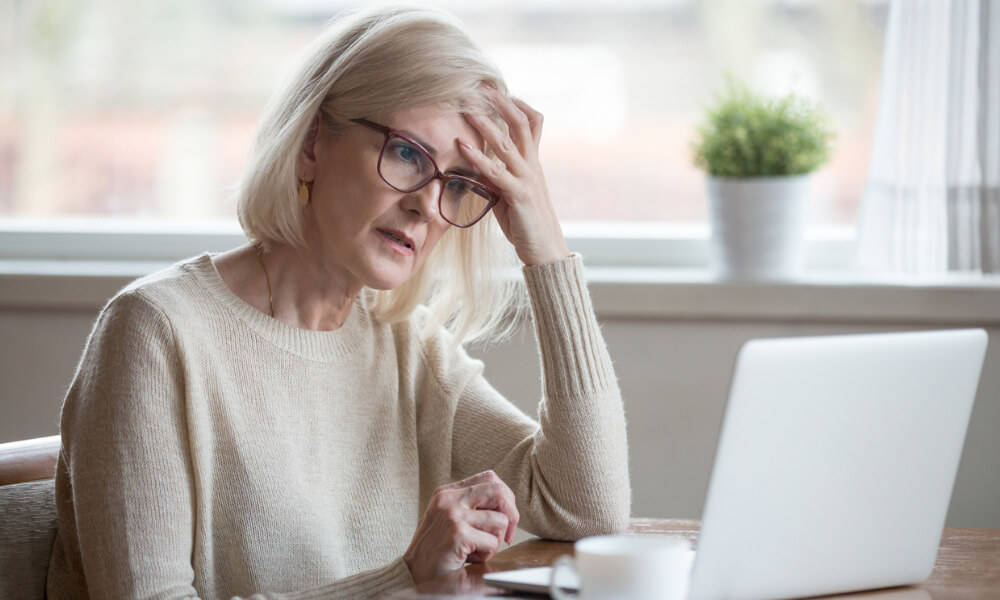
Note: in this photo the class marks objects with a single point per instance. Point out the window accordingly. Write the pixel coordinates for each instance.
(146, 110)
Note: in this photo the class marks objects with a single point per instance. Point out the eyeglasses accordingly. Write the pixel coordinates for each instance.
(406, 166)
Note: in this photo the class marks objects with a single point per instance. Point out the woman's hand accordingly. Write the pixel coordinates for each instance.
(525, 212)
(466, 521)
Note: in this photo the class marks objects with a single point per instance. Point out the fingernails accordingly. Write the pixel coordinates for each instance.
(465, 144)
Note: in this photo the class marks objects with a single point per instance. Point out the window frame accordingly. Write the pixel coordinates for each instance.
(624, 244)
(646, 271)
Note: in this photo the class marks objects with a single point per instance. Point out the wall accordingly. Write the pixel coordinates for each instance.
(674, 344)
(675, 377)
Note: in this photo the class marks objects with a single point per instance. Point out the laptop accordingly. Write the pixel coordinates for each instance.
(834, 468)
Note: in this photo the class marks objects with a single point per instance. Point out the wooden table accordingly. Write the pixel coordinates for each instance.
(967, 568)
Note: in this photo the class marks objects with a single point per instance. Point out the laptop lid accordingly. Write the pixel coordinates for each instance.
(836, 463)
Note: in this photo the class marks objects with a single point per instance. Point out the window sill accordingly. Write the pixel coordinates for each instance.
(827, 296)
(618, 292)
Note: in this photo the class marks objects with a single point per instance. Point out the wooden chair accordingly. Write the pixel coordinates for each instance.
(28, 514)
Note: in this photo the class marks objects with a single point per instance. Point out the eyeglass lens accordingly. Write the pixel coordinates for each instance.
(406, 167)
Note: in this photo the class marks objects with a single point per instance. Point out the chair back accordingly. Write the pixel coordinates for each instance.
(28, 513)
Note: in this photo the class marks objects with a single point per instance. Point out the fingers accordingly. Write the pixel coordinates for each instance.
(446, 540)
(515, 168)
(496, 497)
(469, 481)
(479, 545)
(466, 521)
(524, 130)
(495, 169)
(523, 121)
(535, 119)
(513, 188)
(510, 154)
(493, 494)
(491, 522)
(483, 492)
(518, 122)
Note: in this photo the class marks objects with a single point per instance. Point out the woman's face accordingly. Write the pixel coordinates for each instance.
(379, 237)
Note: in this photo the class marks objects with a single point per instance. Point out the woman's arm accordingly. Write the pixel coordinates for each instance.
(570, 475)
(126, 494)
(124, 490)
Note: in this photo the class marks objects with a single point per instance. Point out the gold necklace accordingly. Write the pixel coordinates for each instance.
(267, 278)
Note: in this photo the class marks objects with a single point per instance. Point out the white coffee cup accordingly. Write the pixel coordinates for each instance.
(626, 567)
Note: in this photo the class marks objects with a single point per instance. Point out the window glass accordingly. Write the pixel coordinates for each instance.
(146, 109)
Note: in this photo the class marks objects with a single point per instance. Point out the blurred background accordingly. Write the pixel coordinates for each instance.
(145, 110)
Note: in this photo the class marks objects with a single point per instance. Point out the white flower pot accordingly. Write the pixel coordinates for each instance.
(757, 226)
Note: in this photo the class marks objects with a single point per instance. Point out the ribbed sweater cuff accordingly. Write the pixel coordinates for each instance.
(575, 361)
(379, 583)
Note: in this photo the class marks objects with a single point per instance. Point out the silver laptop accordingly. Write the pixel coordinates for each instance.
(835, 465)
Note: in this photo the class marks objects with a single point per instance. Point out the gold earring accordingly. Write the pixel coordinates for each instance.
(303, 194)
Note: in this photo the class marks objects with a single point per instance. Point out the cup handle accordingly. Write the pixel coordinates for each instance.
(564, 561)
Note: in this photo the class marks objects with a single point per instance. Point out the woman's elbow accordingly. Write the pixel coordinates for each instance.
(611, 520)
(605, 518)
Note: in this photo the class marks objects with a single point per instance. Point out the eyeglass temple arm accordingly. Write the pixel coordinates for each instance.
(373, 126)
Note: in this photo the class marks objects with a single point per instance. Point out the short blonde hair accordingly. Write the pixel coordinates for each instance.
(370, 64)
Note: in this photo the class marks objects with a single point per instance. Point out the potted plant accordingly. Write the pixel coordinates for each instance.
(758, 154)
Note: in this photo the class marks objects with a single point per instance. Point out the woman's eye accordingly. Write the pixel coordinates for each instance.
(405, 152)
(458, 187)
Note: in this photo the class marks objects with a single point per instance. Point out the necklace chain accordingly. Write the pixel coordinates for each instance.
(267, 277)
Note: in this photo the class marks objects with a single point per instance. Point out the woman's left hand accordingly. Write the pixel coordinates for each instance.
(525, 212)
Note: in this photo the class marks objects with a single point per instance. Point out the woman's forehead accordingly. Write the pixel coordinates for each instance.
(435, 126)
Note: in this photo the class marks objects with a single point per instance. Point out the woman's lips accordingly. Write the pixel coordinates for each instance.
(398, 241)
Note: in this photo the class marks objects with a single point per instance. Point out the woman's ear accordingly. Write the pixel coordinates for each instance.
(307, 153)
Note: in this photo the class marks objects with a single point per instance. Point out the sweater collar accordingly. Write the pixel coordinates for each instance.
(316, 345)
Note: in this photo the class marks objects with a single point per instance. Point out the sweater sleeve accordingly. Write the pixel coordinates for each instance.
(569, 471)
(125, 488)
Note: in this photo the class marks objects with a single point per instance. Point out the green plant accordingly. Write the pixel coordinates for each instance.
(747, 135)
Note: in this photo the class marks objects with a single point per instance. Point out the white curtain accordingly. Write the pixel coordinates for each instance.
(932, 203)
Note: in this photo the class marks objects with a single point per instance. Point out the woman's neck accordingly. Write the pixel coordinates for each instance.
(308, 293)
(304, 292)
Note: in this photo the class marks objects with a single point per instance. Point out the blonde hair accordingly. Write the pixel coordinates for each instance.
(371, 64)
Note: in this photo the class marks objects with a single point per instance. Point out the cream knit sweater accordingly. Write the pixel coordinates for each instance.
(211, 451)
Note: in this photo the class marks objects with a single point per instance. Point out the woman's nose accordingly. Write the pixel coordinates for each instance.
(424, 201)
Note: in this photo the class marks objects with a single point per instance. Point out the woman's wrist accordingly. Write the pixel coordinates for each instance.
(546, 256)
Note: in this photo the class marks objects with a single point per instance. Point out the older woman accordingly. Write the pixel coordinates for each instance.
(296, 418)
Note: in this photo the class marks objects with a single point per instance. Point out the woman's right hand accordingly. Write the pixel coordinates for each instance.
(466, 521)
